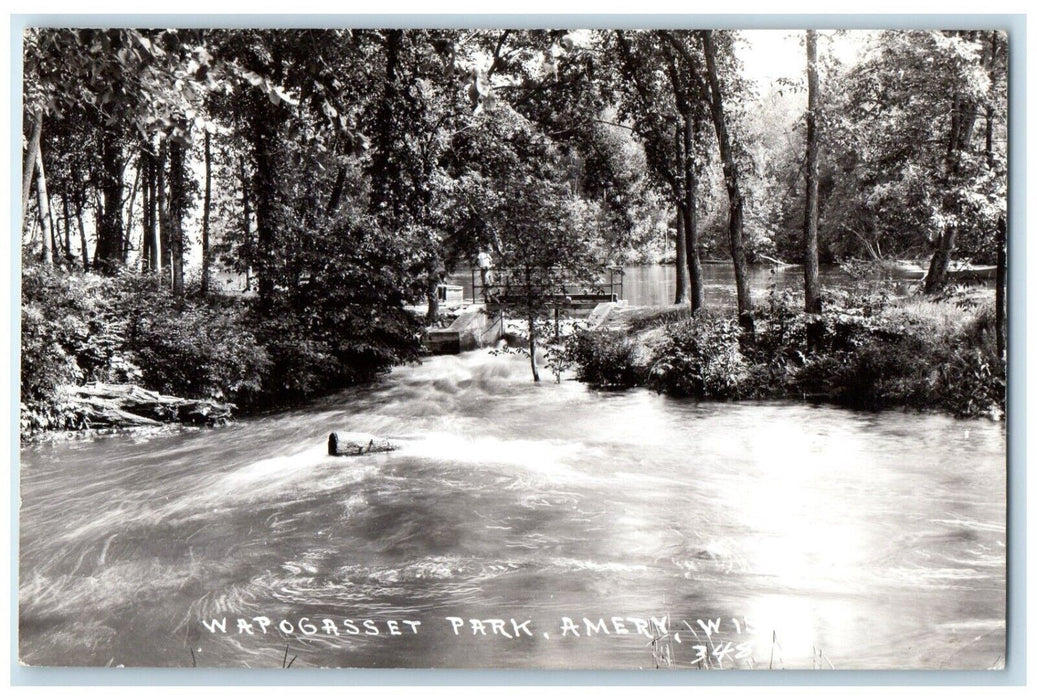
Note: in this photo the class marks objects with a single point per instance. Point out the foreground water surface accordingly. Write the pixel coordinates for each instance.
(776, 535)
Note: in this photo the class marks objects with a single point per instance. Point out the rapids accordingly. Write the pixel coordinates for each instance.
(799, 535)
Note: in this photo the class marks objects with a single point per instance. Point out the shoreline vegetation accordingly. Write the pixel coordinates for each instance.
(96, 359)
(868, 350)
(110, 352)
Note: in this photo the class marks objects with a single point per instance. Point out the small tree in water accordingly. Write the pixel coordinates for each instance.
(546, 248)
(510, 194)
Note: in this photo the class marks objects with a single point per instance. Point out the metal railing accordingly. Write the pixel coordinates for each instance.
(504, 286)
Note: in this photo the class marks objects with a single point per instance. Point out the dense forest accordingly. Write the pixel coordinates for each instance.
(340, 175)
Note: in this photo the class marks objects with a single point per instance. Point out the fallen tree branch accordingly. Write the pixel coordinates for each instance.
(103, 405)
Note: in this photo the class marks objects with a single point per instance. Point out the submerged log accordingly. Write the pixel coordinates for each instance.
(352, 444)
(103, 405)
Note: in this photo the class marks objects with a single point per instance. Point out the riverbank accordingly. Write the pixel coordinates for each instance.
(99, 408)
(204, 347)
(875, 350)
(867, 350)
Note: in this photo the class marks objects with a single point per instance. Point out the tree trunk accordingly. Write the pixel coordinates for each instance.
(691, 226)
(30, 159)
(109, 233)
(384, 171)
(55, 248)
(936, 277)
(989, 112)
(989, 145)
(264, 190)
(35, 224)
(734, 194)
(246, 225)
(963, 122)
(684, 179)
(206, 206)
(43, 209)
(163, 208)
(154, 255)
(811, 283)
(55, 239)
(145, 220)
(1000, 293)
(67, 216)
(336, 191)
(82, 234)
(531, 320)
(683, 290)
(177, 207)
(432, 295)
(58, 232)
(127, 244)
(145, 211)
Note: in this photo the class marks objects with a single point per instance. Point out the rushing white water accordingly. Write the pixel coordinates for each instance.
(815, 535)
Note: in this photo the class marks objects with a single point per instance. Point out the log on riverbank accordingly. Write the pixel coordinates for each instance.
(103, 405)
(354, 444)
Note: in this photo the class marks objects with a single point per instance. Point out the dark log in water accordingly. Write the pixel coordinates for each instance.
(353, 444)
(104, 405)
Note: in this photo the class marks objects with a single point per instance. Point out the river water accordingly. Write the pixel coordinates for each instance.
(654, 285)
(797, 535)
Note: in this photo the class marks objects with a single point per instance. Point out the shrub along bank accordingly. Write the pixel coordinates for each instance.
(870, 351)
(129, 328)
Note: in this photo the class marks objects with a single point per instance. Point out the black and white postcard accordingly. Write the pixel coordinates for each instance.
(673, 348)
